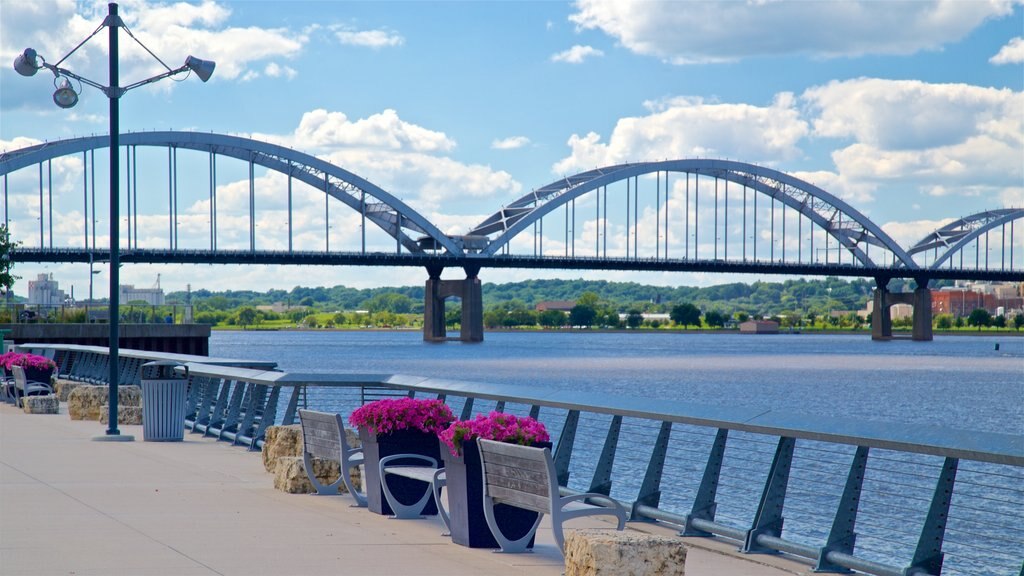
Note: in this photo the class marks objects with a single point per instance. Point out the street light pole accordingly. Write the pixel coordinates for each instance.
(113, 22)
(27, 64)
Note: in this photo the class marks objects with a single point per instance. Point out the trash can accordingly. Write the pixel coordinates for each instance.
(163, 402)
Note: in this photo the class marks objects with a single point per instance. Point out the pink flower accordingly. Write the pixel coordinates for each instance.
(385, 416)
(26, 361)
(495, 426)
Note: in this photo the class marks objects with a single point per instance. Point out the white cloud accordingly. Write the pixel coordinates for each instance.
(510, 143)
(385, 130)
(689, 127)
(275, 70)
(936, 139)
(1012, 53)
(698, 32)
(577, 54)
(907, 234)
(368, 38)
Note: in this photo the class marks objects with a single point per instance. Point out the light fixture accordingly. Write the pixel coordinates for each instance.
(65, 96)
(27, 63)
(202, 68)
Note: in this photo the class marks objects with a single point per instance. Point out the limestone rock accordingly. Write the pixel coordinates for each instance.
(290, 477)
(279, 442)
(602, 552)
(41, 404)
(63, 388)
(86, 402)
(125, 414)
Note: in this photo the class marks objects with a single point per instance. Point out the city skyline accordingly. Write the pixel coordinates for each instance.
(912, 112)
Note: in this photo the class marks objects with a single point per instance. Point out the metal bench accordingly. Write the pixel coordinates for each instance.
(25, 387)
(323, 436)
(433, 476)
(525, 477)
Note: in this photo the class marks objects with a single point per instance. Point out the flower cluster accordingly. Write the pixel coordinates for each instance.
(495, 426)
(384, 416)
(26, 361)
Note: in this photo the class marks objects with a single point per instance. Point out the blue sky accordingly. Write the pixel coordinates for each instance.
(910, 111)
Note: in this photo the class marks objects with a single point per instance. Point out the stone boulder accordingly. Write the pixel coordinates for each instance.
(48, 404)
(290, 476)
(87, 402)
(603, 552)
(63, 388)
(125, 414)
(280, 442)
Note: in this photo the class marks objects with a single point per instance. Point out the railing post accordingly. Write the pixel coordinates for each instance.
(650, 489)
(602, 481)
(842, 537)
(704, 504)
(292, 408)
(768, 519)
(928, 556)
(563, 452)
(467, 409)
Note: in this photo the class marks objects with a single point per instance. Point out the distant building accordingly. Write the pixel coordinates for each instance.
(759, 327)
(560, 305)
(44, 291)
(152, 296)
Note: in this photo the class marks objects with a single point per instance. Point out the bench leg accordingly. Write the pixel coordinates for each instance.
(508, 546)
(440, 481)
(321, 489)
(359, 497)
(406, 511)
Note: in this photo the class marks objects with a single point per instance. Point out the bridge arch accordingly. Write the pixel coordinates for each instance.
(957, 235)
(849, 227)
(383, 209)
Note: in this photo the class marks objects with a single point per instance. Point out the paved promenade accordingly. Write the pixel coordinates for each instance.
(71, 506)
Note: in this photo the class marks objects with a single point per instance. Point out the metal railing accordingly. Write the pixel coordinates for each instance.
(876, 497)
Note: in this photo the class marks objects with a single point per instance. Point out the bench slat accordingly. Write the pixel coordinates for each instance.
(519, 499)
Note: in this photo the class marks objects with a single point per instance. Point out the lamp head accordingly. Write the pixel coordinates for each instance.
(202, 68)
(65, 96)
(27, 63)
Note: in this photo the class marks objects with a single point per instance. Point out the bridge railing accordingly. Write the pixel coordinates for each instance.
(876, 497)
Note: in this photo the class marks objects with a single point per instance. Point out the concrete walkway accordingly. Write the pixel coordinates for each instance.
(73, 506)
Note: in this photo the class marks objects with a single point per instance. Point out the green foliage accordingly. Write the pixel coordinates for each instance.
(979, 317)
(582, 315)
(552, 318)
(634, 318)
(1018, 322)
(685, 314)
(715, 319)
(7, 279)
(944, 321)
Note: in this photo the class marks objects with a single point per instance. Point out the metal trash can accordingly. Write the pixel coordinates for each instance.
(163, 402)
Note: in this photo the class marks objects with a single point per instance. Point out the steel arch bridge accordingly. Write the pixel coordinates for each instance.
(955, 237)
(674, 215)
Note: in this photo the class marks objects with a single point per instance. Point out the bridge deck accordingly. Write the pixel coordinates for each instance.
(69, 505)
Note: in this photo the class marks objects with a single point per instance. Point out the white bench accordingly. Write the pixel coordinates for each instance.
(323, 436)
(524, 477)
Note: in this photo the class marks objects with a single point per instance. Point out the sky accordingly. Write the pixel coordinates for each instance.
(912, 112)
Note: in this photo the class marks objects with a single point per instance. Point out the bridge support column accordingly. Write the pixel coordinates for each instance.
(469, 291)
(881, 319)
(922, 313)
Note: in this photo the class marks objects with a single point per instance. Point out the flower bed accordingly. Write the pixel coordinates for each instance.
(386, 416)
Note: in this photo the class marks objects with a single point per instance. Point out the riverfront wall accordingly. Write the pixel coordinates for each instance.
(171, 338)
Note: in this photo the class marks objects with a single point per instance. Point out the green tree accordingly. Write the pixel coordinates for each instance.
(7, 279)
(582, 315)
(714, 319)
(552, 318)
(979, 317)
(741, 316)
(999, 321)
(247, 316)
(685, 314)
(1018, 322)
(944, 321)
(634, 319)
(589, 299)
(339, 319)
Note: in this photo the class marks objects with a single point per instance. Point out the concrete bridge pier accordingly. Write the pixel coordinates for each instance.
(881, 317)
(469, 291)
